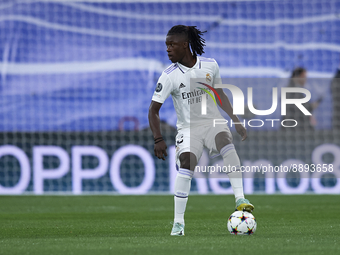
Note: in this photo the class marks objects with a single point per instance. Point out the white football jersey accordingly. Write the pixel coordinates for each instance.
(187, 86)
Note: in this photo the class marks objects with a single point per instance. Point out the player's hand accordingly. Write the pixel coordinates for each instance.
(242, 131)
(160, 150)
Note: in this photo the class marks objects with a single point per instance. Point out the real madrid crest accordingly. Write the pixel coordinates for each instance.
(208, 77)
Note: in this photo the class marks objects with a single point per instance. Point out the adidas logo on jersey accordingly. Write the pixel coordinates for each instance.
(181, 86)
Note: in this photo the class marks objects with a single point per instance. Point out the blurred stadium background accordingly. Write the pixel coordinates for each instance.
(77, 79)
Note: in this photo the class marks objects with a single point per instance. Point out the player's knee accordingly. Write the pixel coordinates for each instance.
(188, 161)
(222, 139)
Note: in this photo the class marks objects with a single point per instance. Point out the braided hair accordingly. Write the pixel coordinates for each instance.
(194, 36)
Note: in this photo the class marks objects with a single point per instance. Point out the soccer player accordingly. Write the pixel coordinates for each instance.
(195, 130)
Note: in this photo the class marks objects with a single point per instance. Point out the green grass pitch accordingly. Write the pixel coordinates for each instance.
(306, 224)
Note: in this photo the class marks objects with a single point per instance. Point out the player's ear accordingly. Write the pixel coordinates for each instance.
(185, 44)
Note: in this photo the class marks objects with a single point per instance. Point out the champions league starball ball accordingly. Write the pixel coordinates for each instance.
(241, 223)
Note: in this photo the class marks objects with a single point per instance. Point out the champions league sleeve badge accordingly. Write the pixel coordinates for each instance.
(159, 87)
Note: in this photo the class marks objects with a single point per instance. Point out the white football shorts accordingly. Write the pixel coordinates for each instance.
(194, 139)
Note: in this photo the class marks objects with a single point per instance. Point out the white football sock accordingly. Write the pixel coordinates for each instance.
(182, 189)
(230, 158)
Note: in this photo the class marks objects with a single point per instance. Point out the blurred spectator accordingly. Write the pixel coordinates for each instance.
(335, 90)
(298, 80)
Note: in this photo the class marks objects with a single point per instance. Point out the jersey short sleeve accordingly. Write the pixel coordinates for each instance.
(163, 89)
(217, 76)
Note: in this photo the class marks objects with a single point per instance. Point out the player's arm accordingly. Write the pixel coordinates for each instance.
(154, 121)
(226, 106)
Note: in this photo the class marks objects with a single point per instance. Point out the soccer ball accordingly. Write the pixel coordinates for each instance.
(241, 223)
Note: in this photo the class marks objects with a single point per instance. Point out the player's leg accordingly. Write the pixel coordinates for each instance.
(188, 162)
(227, 150)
